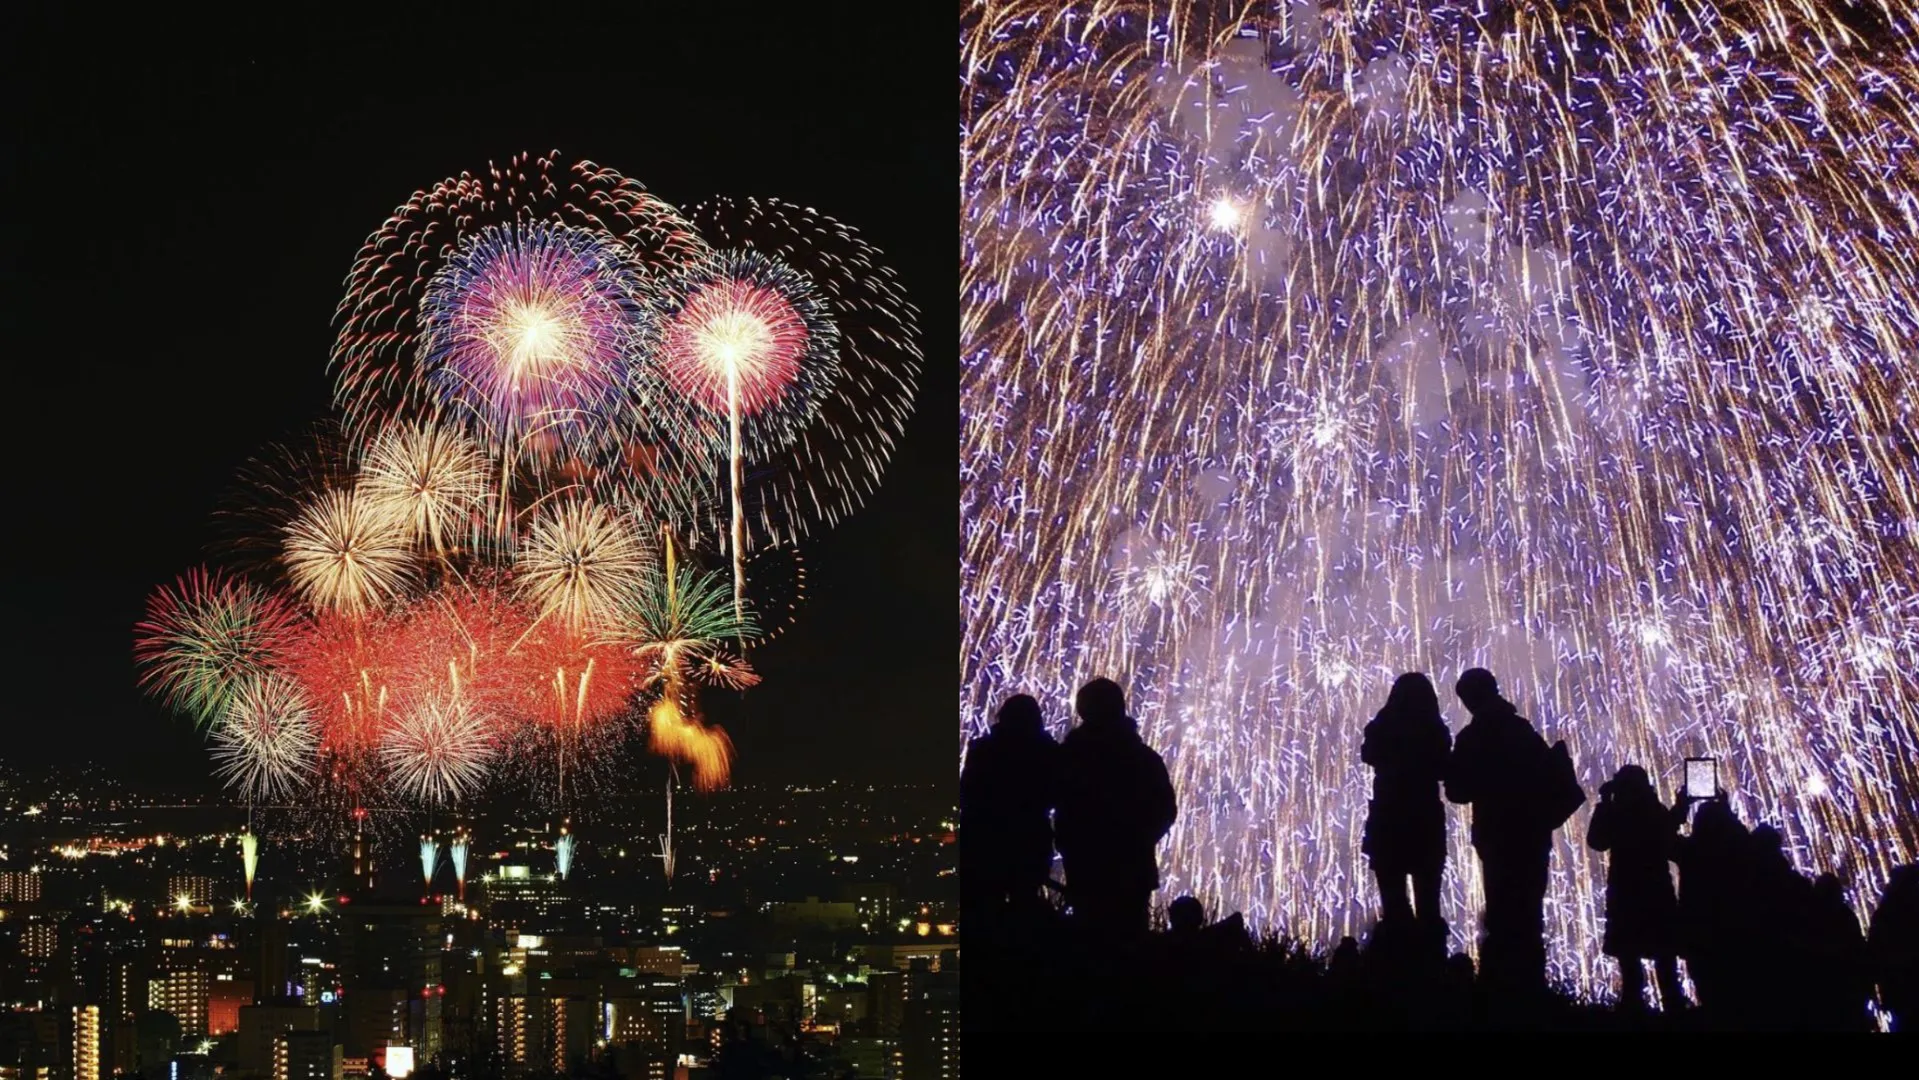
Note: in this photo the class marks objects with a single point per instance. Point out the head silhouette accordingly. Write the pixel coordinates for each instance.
(1186, 914)
(1828, 888)
(1413, 696)
(1631, 780)
(1477, 689)
(1100, 700)
(1019, 713)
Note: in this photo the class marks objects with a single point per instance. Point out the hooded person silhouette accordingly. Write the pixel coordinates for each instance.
(1116, 803)
(1640, 836)
(1007, 792)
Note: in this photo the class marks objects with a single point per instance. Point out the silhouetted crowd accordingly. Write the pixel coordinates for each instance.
(1765, 946)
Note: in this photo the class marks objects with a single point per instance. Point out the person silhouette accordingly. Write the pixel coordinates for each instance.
(1405, 836)
(1185, 916)
(1780, 900)
(1892, 947)
(1007, 792)
(1116, 803)
(1838, 981)
(1640, 835)
(1717, 936)
(1498, 767)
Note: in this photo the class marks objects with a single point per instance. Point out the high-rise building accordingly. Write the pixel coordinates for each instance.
(390, 966)
(871, 1056)
(184, 994)
(86, 1042)
(190, 890)
(654, 1017)
(39, 939)
(126, 993)
(262, 1025)
(19, 886)
(930, 1035)
(520, 901)
(665, 960)
(518, 1035)
(274, 969)
(307, 1055)
(888, 1007)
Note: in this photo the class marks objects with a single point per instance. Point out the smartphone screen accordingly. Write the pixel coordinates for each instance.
(1702, 778)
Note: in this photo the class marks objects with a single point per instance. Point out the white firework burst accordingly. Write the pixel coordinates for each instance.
(345, 555)
(265, 741)
(579, 562)
(429, 479)
(438, 751)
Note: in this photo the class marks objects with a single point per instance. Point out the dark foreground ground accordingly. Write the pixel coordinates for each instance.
(1037, 977)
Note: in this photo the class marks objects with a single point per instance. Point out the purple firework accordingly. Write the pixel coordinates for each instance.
(527, 334)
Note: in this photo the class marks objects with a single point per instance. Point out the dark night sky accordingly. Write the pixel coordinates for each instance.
(183, 209)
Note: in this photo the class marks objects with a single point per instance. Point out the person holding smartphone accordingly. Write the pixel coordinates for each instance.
(1638, 833)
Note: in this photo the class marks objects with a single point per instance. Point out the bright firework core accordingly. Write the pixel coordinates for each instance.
(735, 330)
(1226, 214)
(531, 324)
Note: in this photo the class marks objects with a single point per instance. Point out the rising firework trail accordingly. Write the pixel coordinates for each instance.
(429, 859)
(755, 342)
(563, 853)
(458, 855)
(1308, 344)
(249, 858)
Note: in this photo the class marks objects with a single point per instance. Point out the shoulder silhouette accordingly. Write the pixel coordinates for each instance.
(1116, 803)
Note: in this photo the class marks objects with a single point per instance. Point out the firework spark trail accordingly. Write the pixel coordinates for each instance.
(1568, 344)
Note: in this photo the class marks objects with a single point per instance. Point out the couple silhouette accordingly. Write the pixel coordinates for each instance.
(1109, 800)
(1521, 791)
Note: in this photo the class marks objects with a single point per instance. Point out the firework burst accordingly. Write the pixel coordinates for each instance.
(1566, 340)
(207, 635)
(264, 745)
(835, 422)
(437, 751)
(512, 297)
(428, 478)
(577, 562)
(345, 556)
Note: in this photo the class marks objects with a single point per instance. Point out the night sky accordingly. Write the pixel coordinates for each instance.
(182, 212)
